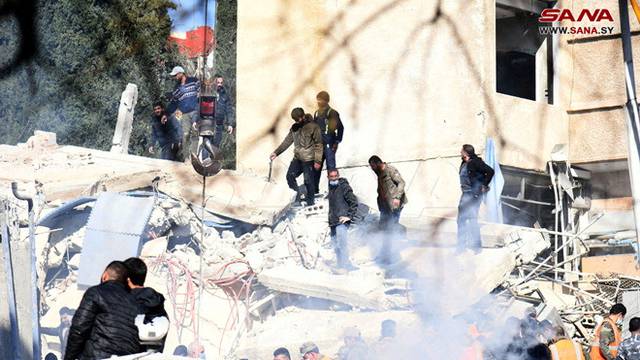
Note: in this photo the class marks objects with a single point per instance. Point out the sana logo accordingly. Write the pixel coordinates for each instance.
(552, 15)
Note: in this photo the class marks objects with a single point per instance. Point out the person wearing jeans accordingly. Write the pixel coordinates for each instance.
(475, 177)
(343, 206)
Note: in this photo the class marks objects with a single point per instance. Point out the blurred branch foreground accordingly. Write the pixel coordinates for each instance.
(266, 264)
(250, 273)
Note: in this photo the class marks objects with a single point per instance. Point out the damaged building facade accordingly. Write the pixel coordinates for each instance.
(243, 273)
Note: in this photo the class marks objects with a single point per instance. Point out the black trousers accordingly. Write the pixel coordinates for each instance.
(296, 168)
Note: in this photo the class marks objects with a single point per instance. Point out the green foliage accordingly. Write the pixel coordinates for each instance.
(88, 52)
(225, 64)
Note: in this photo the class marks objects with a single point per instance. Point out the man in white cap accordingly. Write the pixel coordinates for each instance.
(184, 105)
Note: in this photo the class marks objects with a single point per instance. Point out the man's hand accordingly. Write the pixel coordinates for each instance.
(484, 189)
(273, 156)
(194, 126)
(344, 219)
(174, 146)
(396, 203)
(151, 150)
(334, 147)
(230, 129)
(317, 166)
(163, 119)
(178, 114)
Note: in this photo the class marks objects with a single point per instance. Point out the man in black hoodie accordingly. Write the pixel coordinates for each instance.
(150, 302)
(343, 206)
(475, 177)
(103, 325)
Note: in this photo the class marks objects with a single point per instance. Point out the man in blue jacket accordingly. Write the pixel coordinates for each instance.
(166, 132)
(475, 177)
(184, 107)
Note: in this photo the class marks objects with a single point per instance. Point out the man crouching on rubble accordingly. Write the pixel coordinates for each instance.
(343, 206)
(103, 325)
(306, 138)
(607, 336)
(152, 320)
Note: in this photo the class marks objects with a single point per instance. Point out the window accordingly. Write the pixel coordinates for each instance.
(524, 58)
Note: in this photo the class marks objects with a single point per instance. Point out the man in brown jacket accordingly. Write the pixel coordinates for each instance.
(391, 200)
(306, 138)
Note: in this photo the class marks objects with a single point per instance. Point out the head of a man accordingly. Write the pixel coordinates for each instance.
(297, 114)
(281, 354)
(158, 108)
(309, 351)
(333, 175)
(376, 163)
(322, 99)
(634, 325)
(351, 335)
(617, 313)
(218, 81)
(137, 272)
(388, 329)
(116, 271)
(178, 73)
(467, 152)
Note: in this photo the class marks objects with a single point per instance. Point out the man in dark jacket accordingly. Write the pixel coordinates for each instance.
(328, 119)
(307, 153)
(103, 325)
(224, 117)
(475, 177)
(184, 107)
(150, 302)
(166, 132)
(343, 206)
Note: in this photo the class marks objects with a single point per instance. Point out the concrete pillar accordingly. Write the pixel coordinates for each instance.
(128, 100)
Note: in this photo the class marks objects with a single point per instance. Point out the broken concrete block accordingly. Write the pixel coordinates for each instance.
(154, 247)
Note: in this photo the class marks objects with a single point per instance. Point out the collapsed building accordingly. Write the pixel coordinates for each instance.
(244, 273)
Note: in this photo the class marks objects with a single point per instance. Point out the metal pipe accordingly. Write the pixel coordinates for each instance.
(8, 269)
(633, 119)
(35, 296)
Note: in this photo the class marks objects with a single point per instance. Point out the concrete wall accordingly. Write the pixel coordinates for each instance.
(412, 85)
(593, 88)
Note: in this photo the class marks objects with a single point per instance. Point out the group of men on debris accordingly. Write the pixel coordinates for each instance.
(354, 347)
(175, 128)
(315, 139)
(120, 316)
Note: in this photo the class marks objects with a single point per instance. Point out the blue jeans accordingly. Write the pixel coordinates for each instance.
(339, 241)
(468, 229)
(329, 156)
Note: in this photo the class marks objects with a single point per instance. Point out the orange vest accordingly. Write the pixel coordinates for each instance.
(566, 349)
(595, 353)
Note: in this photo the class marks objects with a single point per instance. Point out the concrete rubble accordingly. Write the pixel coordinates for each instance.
(246, 277)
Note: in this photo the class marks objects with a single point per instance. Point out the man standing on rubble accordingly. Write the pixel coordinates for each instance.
(328, 119)
(103, 325)
(184, 106)
(607, 336)
(630, 347)
(343, 206)
(475, 177)
(391, 200)
(152, 317)
(307, 153)
(223, 116)
(166, 132)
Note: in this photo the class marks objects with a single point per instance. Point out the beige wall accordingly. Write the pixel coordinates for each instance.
(412, 90)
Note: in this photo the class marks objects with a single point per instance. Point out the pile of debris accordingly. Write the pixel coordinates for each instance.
(244, 273)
